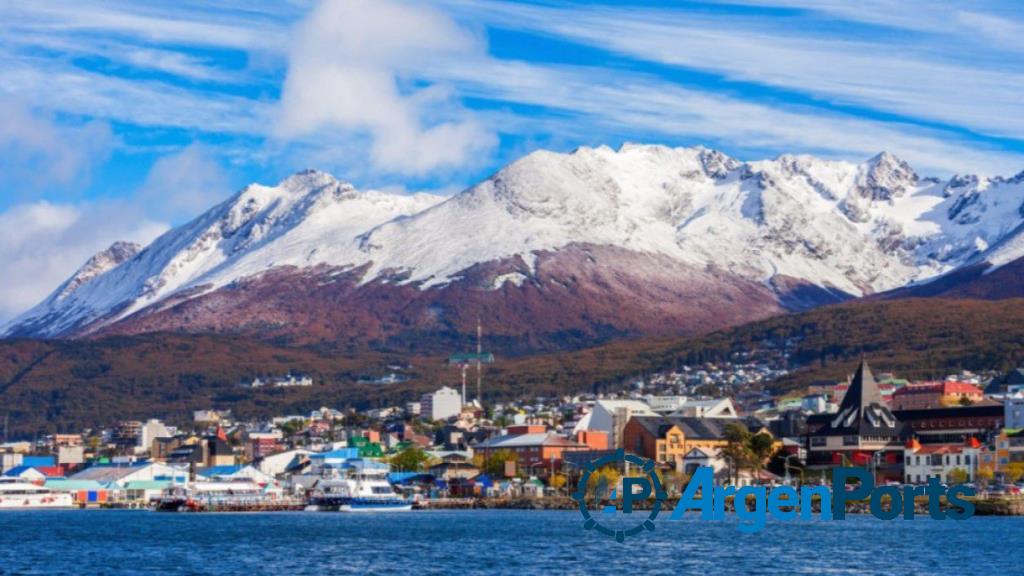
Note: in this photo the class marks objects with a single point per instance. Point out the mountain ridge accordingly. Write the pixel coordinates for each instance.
(563, 239)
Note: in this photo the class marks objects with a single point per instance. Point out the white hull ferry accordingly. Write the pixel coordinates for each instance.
(358, 486)
(16, 495)
(223, 496)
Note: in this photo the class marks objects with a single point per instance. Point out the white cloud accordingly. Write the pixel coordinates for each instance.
(344, 74)
(42, 244)
(183, 184)
(37, 152)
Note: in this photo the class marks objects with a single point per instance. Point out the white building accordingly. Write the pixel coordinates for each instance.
(290, 381)
(814, 403)
(150, 431)
(1013, 411)
(707, 408)
(938, 460)
(611, 416)
(664, 404)
(277, 464)
(441, 405)
(122, 474)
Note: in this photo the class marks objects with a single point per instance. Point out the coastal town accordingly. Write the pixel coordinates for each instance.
(453, 449)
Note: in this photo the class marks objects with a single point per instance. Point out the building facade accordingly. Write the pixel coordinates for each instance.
(441, 405)
(864, 432)
(922, 462)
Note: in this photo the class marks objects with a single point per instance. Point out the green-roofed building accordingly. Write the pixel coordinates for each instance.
(471, 358)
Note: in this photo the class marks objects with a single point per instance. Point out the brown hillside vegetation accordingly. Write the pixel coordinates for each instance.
(65, 385)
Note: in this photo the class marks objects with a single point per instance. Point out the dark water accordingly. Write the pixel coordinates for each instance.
(491, 542)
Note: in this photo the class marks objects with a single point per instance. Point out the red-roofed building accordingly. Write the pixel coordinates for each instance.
(935, 395)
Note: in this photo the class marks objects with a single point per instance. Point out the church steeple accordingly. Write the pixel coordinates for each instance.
(863, 412)
(863, 390)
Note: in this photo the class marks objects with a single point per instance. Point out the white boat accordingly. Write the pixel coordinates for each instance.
(361, 486)
(221, 495)
(18, 495)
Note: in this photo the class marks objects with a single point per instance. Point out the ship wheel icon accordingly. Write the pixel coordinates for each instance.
(653, 484)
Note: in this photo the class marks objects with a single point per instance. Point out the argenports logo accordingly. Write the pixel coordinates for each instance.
(752, 504)
(634, 489)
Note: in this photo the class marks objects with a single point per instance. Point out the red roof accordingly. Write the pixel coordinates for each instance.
(940, 449)
(944, 388)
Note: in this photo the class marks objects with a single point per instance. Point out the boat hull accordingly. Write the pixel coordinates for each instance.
(36, 502)
(349, 504)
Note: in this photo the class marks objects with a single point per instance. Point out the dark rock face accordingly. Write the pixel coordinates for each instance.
(574, 297)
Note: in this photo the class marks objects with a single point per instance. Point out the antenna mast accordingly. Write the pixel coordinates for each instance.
(479, 353)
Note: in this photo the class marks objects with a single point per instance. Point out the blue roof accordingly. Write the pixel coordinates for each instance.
(38, 461)
(405, 477)
(340, 454)
(219, 470)
(18, 470)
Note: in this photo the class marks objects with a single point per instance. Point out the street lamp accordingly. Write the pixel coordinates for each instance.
(788, 466)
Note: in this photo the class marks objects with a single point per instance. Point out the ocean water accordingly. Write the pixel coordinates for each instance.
(105, 542)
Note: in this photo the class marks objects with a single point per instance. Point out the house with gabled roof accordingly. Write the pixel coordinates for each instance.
(863, 432)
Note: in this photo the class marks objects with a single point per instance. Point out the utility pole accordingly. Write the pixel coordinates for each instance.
(479, 370)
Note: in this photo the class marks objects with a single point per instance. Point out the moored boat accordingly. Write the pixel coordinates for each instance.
(16, 495)
(358, 486)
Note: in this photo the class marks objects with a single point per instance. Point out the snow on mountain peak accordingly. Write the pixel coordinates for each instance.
(855, 228)
(99, 264)
(886, 177)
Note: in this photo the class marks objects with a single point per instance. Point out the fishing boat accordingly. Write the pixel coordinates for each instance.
(17, 495)
(358, 486)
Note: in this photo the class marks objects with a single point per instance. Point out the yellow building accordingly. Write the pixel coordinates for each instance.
(667, 440)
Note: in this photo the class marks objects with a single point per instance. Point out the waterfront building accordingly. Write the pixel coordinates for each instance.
(863, 432)
(441, 404)
(542, 451)
(120, 475)
(667, 440)
(236, 472)
(953, 424)
(29, 474)
(922, 462)
(935, 395)
(454, 466)
(83, 492)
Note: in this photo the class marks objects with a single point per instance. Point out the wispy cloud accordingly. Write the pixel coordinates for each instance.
(884, 74)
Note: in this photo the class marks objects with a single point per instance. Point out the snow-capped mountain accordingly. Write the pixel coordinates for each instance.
(580, 246)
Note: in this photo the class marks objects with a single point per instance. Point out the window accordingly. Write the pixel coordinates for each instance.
(818, 441)
(851, 440)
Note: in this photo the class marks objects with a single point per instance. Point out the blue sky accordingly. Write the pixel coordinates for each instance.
(119, 119)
